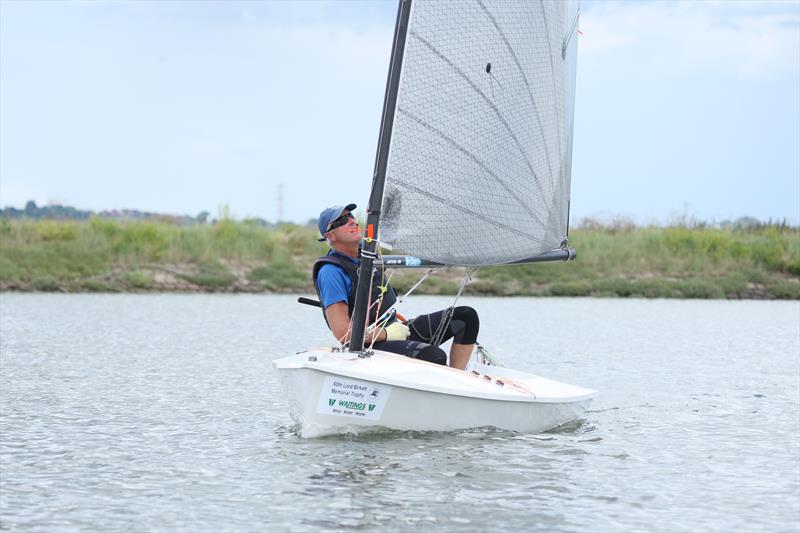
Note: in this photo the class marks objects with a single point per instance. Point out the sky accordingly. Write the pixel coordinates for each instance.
(273, 108)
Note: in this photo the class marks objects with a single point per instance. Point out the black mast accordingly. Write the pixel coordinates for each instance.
(359, 317)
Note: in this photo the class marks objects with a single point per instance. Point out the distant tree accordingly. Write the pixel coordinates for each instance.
(202, 217)
(11, 212)
(31, 210)
(747, 223)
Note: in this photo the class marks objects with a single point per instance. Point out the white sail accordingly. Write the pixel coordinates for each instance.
(479, 165)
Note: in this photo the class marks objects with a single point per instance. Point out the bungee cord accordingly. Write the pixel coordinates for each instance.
(484, 357)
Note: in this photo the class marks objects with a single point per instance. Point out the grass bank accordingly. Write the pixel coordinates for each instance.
(100, 255)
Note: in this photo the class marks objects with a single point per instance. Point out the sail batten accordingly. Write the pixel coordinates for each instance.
(480, 158)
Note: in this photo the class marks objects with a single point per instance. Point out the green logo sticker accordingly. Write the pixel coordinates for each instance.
(353, 398)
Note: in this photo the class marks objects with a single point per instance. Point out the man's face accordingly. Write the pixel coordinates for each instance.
(345, 229)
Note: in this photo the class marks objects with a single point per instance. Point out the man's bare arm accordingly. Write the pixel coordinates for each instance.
(339, 321)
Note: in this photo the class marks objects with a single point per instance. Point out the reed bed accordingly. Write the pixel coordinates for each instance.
(102, 255)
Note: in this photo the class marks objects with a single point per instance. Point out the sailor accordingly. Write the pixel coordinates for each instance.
(335, 278)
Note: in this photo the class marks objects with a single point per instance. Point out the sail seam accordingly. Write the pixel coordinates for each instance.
(475, 160)
(491, 105)
(444, 201)
(524, 80)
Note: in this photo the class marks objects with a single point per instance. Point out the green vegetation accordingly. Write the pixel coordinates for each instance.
(672, 262)
(100, 255)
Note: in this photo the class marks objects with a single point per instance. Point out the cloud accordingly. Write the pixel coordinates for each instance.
(683, 39)
(211, 103)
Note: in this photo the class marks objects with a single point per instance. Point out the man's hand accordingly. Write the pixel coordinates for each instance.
(397, 331)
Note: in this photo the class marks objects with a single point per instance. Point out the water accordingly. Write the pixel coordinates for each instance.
(162, 412)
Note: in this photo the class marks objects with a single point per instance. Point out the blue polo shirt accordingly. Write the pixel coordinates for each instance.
(334, 284)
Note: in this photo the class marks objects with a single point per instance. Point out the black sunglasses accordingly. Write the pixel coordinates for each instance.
(341, 221)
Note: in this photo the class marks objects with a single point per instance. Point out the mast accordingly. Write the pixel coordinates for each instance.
(362, 303)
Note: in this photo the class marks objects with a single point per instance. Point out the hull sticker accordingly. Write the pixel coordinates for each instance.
(352, 398)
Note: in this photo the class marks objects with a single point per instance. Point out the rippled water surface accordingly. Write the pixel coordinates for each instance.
(163, 412)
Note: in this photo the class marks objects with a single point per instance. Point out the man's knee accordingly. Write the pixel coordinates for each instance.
(468, 315)
(430, 353)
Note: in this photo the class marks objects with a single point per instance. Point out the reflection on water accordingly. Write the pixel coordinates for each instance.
(163, 412)
(450, 479)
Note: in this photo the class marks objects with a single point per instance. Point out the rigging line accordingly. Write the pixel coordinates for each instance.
(524, 80)
(384, 318)
(488, 102)
(418, 283)
(379, 326)
(401, 299)
(369, 310)
(444, 323)
(476, 214)
(521, 387)
(344, 341)
(350, 328)
(569, 34)
(447, 316)
(377, 329)
(477, 161)
(484, 357)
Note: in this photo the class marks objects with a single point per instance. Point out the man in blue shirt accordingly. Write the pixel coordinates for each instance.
(335, 277)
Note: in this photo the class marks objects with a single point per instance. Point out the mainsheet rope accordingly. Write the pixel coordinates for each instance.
(382, 321)
(447, 316)
(384, 318)
(444, 324)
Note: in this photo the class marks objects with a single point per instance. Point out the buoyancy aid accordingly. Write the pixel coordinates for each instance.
(351, 268)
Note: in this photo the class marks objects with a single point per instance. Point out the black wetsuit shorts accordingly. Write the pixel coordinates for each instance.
(463, 329)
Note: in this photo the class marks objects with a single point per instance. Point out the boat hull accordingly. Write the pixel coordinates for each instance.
(326, 396)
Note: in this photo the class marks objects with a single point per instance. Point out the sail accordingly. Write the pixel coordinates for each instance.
(479, 164)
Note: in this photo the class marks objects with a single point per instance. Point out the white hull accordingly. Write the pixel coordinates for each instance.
(332, 393)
